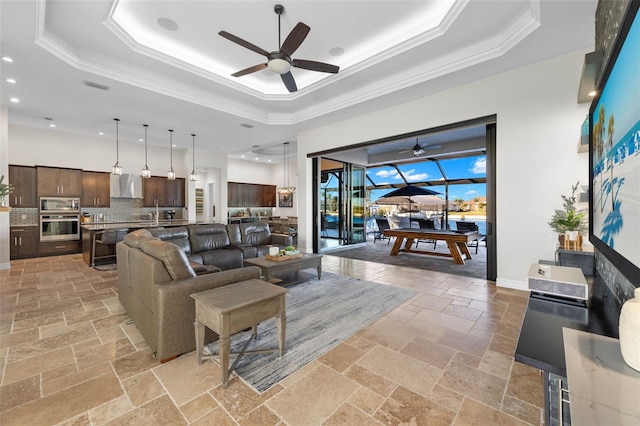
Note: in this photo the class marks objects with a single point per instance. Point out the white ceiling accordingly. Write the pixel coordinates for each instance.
(394, 51)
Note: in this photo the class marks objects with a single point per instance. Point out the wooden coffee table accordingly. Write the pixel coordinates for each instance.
(271, 268)
(232, 308)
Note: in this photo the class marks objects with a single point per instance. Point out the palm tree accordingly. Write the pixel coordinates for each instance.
(599, 137)
(458, 202)
(610, 143)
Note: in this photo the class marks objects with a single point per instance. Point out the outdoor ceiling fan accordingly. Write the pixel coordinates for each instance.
(418, 150)
(280, 61)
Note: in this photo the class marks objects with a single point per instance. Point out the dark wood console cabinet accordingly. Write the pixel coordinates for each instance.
(251, 195)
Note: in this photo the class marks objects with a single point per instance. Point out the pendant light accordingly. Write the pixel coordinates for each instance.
(146, 172)
(285, 166)
(117, 168)
(193, 176)
(171, 175)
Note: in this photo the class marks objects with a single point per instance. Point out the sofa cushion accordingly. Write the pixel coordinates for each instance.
(235, 238)
(201, 269)
(178, 235)
(174, 259)
(205, 237)
(137, 237)
(255, 233)
(224, 259)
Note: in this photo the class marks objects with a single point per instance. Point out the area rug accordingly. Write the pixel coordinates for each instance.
(320, 315)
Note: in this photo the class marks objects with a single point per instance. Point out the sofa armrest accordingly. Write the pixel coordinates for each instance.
(175, 308)
(282, 239)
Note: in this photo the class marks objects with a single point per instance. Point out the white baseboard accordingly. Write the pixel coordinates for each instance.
(5, 265)
(516, 285)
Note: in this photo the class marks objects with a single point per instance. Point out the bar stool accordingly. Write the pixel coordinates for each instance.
(108, 237)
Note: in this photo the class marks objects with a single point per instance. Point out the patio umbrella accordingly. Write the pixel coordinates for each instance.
(409, 191)
(389, 201)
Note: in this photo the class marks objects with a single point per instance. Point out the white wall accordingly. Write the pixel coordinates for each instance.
(4, 171)
(538, 126)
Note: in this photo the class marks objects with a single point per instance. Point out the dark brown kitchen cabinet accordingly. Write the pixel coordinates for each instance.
(24, 181)
(250, 195)
(162, 192)
(53, 248)
(153, 191)
(175, 193)
(57, 182)
(96, 189)
(23, 242)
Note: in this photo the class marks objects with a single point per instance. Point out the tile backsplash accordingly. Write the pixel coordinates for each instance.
(121, 210)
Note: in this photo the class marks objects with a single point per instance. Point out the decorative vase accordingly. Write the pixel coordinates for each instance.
(571, 235)
(629, 331)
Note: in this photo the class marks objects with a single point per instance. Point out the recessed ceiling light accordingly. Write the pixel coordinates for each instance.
(242, 156)
(7, 59)
(257, 158)
(268, 161)
(593, 93)
(52, 125)
(140, 140)
(174, 145)
(10, 80)
(167, 24)
(14, 100)
(101, 133)
(336, 51)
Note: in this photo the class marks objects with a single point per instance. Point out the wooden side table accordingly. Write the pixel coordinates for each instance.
(235, 307)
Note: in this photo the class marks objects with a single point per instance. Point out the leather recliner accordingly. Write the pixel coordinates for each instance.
(155, 283)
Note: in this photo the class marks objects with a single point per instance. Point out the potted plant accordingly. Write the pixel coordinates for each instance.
(569, 222)
(5, 189)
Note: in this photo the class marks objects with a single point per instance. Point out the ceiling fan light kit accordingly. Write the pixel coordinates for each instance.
(280, 61)
(279, 66)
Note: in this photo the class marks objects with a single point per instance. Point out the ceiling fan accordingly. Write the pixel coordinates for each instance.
(280, 61)
(419, 150)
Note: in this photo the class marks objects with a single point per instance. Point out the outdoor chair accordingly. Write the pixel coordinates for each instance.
(426, 224)
(471, 226)
(383, 225)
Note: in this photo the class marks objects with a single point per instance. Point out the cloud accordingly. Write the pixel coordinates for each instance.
(411, 177)
(480, 166)
(386, 173)
(471, 193)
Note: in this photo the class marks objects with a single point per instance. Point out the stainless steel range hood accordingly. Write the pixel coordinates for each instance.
(126, 186)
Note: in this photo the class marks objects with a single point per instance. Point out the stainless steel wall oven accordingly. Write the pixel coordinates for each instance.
(59, 219)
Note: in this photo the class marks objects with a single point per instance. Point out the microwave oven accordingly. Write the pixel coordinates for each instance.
(59, 205)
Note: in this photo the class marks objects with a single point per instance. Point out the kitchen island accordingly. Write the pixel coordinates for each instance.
(89, 230)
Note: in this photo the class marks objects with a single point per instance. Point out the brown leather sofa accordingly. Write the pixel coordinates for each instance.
(159, 269)
(155, 283)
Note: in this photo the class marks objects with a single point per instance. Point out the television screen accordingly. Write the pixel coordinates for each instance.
(615, 153)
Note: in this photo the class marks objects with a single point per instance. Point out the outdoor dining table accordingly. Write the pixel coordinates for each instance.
(456, 241)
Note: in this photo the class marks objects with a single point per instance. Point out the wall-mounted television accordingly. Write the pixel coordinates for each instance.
(614, 153)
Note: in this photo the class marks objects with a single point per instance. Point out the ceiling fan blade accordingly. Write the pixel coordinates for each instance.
(315, 66)
(289, 82)
(249, 70)
(244, 44)
(295, 38)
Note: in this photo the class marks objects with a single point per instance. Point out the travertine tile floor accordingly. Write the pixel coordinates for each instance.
(69, 356)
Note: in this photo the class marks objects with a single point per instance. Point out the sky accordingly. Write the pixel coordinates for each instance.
(469, 167)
